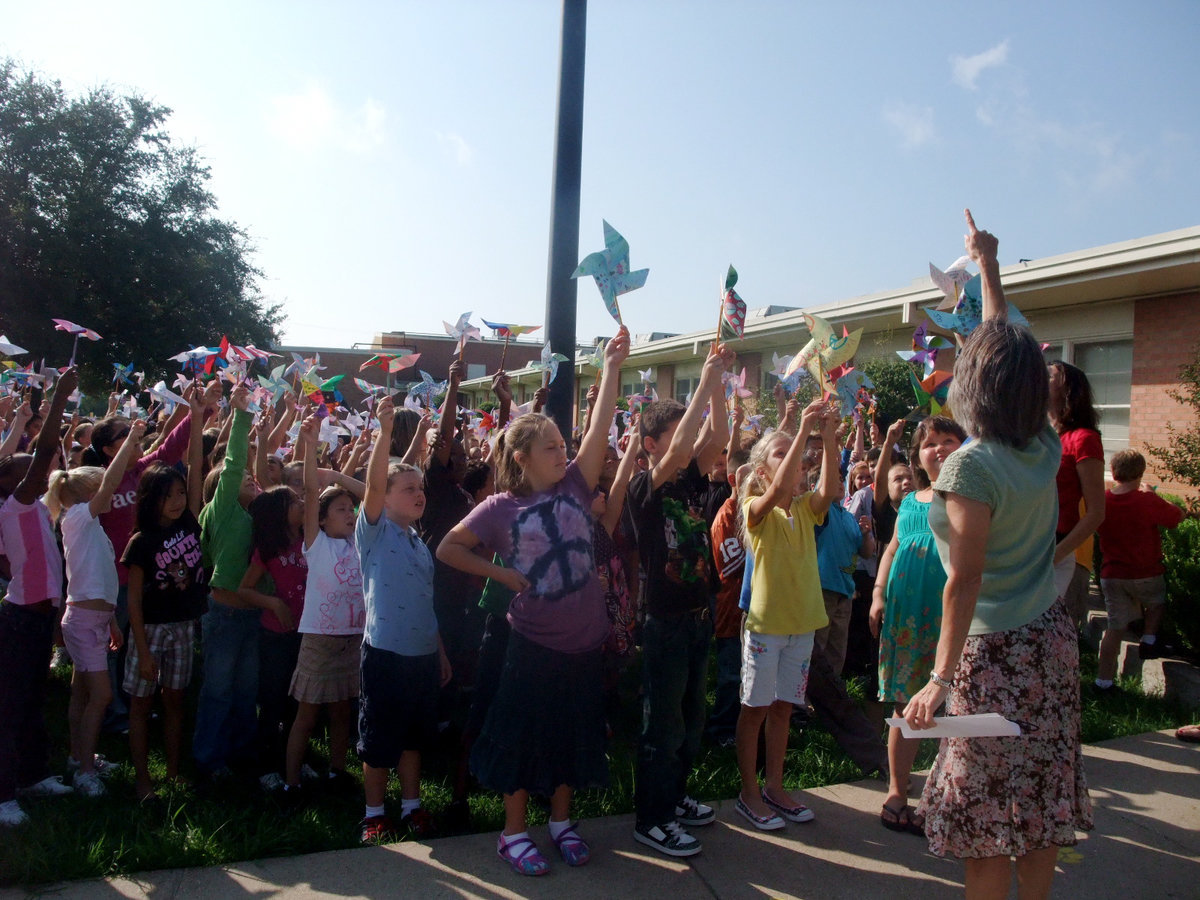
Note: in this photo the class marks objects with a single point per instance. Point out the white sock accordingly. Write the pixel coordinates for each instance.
(557, 828)
(373, 811)
(509, 838)
(1104, 682)
(408, 805)
(1149, 638)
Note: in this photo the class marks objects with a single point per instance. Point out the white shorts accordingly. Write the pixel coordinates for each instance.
(775, 667)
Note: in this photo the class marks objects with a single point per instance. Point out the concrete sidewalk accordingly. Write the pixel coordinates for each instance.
(1145, 789)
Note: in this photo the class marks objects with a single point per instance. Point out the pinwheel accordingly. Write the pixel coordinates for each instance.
(508, 332)
(925, 349)
(427, 390)
(968, 314)
(372, 389)
(10, 349)
(951, 280)
(462, 331)
(391, 362)
(647, 376)
(610, 268)
(732, 321)
(852, 388)
(596, 357)
(548, 365)
(77, 330)
(735, 386)
(122, 374)
(165, 395)
(931, 395)
(824, 351)
(277, 385)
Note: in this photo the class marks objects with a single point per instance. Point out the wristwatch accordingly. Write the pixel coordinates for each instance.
(940, 681)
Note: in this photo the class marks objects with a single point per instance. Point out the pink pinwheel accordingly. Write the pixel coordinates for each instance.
(77, 330)
(462, 331)
(925, 349)
(391, 362)
(735, 385)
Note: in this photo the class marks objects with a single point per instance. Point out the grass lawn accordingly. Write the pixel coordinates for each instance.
(74, 837)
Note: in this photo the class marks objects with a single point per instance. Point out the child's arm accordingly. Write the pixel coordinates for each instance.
(822, 498)
(735, 433)
(679, 451)
(1091, 482)
(33, 485)
(590, 458)
(592, 393)
(147, 668)
(377, 468)
(620, 486)
(357, 451)
(718, 423)
(867, 547)
(229, 482)
(159, 452)
(419, 443)
(102, 499)
(248, 591)
(884, 463)
(504, 396)
(312, 513)
(279, 432)
(260, 429)
(441, 449)
(195, 451)
(779, 491)
(456, 548)
(879, 591)
(12, 439)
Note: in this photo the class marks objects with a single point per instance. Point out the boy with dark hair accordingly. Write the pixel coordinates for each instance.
(1131, 573)
(666, 503)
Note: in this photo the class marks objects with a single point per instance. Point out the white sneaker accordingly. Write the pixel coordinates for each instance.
(671, 839)
(104, 767)
(89, 784)
(11, 814)
(693, 812)
(50, 786)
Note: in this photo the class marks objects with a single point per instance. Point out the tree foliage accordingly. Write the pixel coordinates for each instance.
(1181, 457)
(106, 222)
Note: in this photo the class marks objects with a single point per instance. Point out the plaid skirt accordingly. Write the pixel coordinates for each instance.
(1007, 796)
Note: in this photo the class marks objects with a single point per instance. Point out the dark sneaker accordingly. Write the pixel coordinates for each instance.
(420, 824)
(1149, 651)
(693, 812)
(670, 839)
(339, 781)
(378, 830)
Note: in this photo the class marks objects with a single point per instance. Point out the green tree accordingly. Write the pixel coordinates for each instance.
(894, 398)
(104, 221)
(1180, 458)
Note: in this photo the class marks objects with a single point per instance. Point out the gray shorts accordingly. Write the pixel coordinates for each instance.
(1126, 598)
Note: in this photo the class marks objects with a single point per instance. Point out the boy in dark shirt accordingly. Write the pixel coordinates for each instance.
(666, 503)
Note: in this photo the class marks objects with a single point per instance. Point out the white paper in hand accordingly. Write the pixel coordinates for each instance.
(982, 725)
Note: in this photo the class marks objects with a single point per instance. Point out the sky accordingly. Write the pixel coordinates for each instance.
(391, 161)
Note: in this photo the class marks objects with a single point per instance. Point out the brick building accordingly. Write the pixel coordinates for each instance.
(1128, 314)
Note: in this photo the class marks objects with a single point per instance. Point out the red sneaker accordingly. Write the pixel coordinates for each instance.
(420, 824)
(378, 830)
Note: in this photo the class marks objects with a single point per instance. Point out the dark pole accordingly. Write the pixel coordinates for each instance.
(564, 212)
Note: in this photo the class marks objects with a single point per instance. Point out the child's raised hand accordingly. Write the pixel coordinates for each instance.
(500, 386)
(814, 408)
(67, 382)
(240, 398)
(616, 350)
(212, 393)
(385, 412)
(309, 429)
(458, 371)
(137, 430)
(592, 393)
(895, 432)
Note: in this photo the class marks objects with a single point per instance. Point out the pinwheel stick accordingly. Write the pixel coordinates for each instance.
(74, 347)
(504, 352)
(545, 378)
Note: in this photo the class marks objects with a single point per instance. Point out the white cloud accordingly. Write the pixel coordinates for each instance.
(311, 118)
(967, 69)
(457, 146)
(914, 123)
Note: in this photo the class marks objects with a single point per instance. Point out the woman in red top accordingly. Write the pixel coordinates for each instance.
(1081, 472)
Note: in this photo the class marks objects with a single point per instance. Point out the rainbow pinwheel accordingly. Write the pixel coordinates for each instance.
(462, 331)
(427, 390)
(825, 350)
(508, 332)
(968, 314)
(733, 310)
(925, 348)
(610, 268)
(931, 395)
(548, 364)
(10, 349)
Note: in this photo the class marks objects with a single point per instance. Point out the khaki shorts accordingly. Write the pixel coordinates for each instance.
(1126, 598)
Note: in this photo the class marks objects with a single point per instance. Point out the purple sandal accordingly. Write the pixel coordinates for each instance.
(523, 855)
(575, 852)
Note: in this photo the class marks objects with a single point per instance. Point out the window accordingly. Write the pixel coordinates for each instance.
(687, 379)
(476, 370)
(1109, 368)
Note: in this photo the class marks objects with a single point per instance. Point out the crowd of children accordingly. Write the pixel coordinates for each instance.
(388, 581)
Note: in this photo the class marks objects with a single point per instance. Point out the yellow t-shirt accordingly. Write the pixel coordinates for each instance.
(785, 589)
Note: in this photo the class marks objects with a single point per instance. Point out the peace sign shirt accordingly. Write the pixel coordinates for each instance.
(547, 537)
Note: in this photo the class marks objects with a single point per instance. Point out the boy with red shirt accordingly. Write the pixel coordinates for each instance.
(1131, 573)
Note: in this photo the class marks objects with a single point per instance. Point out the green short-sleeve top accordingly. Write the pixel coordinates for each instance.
(1017, 484)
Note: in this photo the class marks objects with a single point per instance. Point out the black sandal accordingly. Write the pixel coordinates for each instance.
(900, 818)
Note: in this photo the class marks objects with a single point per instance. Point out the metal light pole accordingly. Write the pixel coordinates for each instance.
(561, 295)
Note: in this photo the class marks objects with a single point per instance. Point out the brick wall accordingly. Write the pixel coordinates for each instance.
(1166, 332)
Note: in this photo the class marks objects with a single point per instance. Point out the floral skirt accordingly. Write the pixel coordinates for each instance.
(1007, 796)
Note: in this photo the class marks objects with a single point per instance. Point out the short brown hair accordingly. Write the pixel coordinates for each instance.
(1128, 465)
(1001, 389)
(658, 416)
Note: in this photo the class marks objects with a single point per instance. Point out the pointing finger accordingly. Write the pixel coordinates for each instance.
(970, 222)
